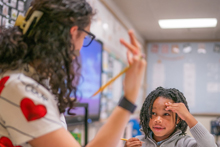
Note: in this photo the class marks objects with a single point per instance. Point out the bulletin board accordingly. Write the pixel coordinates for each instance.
(193, 68)
(111, 95)
(9, 10)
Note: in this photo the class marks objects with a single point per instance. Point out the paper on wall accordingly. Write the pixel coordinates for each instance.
(189, 77)
(158, 75)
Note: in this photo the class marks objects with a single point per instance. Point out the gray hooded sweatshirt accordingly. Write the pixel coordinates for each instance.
(202, 138)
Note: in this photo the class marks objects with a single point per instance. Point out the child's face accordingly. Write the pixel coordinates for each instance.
(162, 122)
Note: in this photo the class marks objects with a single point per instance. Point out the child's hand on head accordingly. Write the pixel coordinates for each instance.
(133, 142)
(178, 108)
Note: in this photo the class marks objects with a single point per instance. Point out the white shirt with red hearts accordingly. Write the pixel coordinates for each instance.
(27, 109)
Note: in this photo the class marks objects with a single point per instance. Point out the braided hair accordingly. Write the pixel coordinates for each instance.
(146, 110)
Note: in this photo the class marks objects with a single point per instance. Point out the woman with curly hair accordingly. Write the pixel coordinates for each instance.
(164, 119)
(38, 69)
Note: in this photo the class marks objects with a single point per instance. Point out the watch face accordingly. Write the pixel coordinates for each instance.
(126, 104)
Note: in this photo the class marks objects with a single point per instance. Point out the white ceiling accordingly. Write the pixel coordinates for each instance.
(144, 15)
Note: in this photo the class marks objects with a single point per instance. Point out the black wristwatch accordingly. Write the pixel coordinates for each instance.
(126, 104)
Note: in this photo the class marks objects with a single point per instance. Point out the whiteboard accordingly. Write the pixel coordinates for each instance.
(193, 68)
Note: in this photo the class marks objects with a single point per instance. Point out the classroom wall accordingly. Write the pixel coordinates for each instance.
(109, 30)
(122, 17)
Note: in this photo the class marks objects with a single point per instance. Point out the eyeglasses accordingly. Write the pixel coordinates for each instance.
(88, 39)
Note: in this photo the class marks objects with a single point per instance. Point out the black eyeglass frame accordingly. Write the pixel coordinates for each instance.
(89, 33)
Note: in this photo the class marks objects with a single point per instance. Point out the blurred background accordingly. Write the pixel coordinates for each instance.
(185, 56)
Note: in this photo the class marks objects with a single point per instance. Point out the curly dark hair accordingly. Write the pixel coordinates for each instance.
(146, 110)
(50, 43)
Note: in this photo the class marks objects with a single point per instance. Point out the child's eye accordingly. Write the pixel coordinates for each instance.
(166, 114)
(153, 113)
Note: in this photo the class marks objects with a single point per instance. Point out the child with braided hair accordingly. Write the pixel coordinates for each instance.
(164, 119)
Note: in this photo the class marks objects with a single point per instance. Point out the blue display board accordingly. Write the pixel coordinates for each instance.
(91, 69)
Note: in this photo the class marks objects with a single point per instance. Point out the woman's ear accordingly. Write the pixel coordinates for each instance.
(74, 32)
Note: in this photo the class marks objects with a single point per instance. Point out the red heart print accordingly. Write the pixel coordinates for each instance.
(32, 111)
(6, 142)
(2, 83)
(1, 145)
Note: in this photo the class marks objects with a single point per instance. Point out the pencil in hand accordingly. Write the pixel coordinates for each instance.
(127, 140)
(111, 81)
(124, 139)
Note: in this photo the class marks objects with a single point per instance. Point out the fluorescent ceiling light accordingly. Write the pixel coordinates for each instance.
(187, 23)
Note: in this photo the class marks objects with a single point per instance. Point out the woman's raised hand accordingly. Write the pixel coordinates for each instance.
(137, 62)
